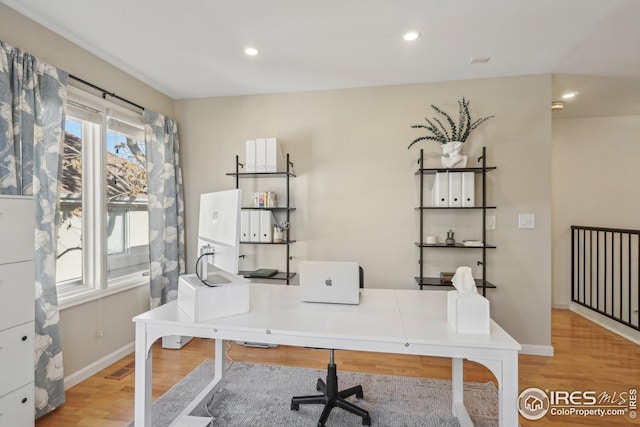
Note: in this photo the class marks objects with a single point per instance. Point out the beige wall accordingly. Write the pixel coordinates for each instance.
(83, 350)
(356, 190)
(595, 183)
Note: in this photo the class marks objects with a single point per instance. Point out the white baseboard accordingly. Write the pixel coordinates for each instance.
(537, 350)
(563, 306)
(84, 373)
(610, 324)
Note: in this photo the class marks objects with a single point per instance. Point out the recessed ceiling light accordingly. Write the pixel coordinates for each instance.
(557, 105)
(479, 60)
(251, 51)
(411, 36)
(569, 95)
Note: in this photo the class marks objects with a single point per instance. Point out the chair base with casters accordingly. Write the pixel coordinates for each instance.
(331, 397)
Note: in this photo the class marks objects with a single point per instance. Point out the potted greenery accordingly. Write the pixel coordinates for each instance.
(452, 136)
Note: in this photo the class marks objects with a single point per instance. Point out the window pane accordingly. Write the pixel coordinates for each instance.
(69, 245)
(116, 243)
(127, 223)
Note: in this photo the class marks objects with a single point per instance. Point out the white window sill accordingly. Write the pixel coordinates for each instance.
(84, 295)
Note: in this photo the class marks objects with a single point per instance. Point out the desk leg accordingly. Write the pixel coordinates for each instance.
(219, 360)
(508, 396)
(143, 377)
(457, 392)
(506, 372)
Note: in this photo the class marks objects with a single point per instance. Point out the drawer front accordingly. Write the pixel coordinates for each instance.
(17, 408)
(17, 235)
(17, 293)
(16, 357)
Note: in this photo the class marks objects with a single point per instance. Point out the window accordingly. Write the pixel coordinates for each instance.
(103, 231)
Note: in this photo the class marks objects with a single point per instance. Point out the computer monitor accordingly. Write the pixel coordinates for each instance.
(219, 229)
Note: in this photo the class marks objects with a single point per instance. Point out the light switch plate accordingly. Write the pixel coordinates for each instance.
(526, 221)
(491, 222)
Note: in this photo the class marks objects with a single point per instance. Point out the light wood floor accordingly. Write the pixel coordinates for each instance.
(587, 357)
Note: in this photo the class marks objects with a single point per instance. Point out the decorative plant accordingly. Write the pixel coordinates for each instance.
(284, 225)
(443, 134)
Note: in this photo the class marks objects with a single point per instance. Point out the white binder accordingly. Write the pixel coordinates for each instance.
(245, 226)
(250, 152)
(468, 189)
(266, 226)
(440, 190)
(455, 189)
(261, 155)
(254, 226)
(275, 159)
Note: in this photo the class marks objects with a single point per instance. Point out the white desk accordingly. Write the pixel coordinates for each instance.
(388, 321)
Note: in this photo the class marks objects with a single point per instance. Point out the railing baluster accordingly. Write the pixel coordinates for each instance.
(629, 278)
(590, 268)
(597, 270)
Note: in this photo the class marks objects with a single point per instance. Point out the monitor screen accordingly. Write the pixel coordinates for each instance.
(219, 228)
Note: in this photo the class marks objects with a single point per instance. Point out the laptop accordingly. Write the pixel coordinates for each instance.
(330, 282)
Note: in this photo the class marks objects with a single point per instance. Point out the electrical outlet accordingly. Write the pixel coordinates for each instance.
(99, 333)
(491, 222)
(526, 221)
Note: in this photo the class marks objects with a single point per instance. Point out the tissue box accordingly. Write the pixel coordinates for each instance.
(468, 312)
(202, 302)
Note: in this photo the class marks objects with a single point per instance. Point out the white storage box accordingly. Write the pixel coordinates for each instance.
(468, 312)
(202, 302)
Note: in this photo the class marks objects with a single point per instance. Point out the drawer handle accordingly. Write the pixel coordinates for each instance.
(24, 338)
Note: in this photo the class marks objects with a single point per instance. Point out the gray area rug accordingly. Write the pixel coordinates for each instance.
(260, 395)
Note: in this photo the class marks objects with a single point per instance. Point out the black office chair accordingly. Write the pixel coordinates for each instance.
(331, 396)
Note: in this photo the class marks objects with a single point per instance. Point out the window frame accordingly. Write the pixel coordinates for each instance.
(95, 282)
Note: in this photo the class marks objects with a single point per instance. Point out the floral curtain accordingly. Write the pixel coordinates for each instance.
(33, 98)
(166, 207)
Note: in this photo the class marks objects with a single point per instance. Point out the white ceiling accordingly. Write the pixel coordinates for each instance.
(194, 48)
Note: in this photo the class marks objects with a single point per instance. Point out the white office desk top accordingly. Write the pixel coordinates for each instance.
(383, 315)
(386, 320)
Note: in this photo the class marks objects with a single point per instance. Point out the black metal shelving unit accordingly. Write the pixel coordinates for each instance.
(435, 282)
(287, 275)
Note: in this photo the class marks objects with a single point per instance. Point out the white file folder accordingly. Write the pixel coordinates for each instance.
(440, 190)
(250, 160)
(455, 189)
(254, 226)
(261, 155)
(266, 226)
(245, 226)
(275, 160)
(468, 189)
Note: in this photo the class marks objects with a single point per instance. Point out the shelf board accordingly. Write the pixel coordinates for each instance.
(448, 207)
(432, 171)
(280, 275)
(454, 246)
(435, 281)
(268, 243)
(260, 174)
(279, 208)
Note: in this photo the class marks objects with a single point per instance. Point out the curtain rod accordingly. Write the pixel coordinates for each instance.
(105, 92)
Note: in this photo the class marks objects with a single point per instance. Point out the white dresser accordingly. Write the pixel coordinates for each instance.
(17, 295)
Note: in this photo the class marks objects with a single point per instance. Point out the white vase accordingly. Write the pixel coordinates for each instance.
(451, 157)
(278, 235)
